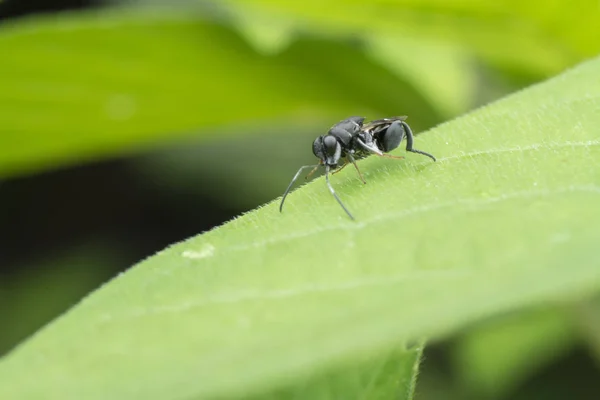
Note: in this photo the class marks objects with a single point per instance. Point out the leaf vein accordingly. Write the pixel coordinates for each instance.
(520, 149)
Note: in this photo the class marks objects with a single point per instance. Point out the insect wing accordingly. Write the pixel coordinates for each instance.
(381, 124)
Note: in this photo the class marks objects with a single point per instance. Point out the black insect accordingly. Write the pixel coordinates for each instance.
(352, 140)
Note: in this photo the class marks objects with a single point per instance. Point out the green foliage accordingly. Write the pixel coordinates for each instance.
(505, 220)
(124, 80)
(309, 304)
(539, 38)
(55, 286)
(391, 377)
(493, 359)
(128, 79)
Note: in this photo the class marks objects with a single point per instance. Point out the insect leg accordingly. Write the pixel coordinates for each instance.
(292, 182)
(372, 149)
(349, 157)
(339, 169)
(333, 192)
(375, 150)
(409, 142)
(312, 171)
(390, 156)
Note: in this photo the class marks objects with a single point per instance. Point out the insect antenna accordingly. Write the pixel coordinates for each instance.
(294, 180)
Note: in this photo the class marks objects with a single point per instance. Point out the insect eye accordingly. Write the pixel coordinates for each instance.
(330, 145)
(318, 148)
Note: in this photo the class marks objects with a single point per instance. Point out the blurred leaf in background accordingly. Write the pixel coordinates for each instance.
(495, 358)
(131, 76)
(38, 293)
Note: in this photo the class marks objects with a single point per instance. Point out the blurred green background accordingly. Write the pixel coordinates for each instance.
(126, 126)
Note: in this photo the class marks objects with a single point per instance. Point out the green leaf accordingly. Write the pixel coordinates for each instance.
(391, 377)
(511, 33)
(496, 357)
(437, 44)
(588, 315)
(507, 218)
(90, 85)
(58, 282)
(451, 88)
